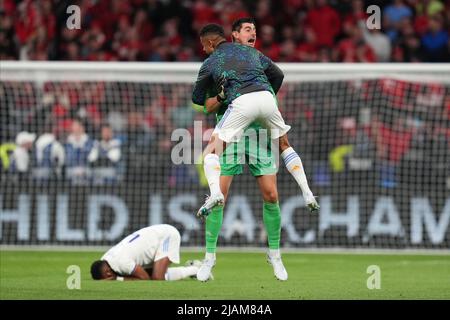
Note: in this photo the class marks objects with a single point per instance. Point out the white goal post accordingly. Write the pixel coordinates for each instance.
(374, 140)
(170, 72)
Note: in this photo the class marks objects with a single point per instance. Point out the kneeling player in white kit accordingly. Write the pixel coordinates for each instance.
(145, 255)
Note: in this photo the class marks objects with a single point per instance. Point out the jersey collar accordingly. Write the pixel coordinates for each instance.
(220, 43)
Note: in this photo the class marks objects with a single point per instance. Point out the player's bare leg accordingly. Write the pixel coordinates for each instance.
(272, 222)
(225, 184)
(295, 167)
(268, 187)
(211, 165)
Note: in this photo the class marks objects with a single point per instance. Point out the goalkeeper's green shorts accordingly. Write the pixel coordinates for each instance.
(259, 159)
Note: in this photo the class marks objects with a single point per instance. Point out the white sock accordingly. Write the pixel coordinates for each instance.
(210, 256)
(211, 165)
(295, 167)
(179, 273)
(275, 253)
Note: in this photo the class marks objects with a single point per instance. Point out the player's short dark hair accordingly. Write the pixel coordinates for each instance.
(213, 29)
(237, 25)
(96, 269)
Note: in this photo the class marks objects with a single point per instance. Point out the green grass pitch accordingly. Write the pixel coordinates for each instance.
(238, 275)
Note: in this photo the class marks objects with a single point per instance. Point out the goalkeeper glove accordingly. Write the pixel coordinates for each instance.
(221, 89)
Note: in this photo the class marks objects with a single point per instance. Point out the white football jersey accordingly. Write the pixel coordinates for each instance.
(143, 248)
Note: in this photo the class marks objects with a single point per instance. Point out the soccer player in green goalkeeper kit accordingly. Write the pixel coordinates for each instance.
(263, 168)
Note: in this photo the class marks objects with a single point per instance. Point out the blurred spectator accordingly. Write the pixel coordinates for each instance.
(6, 154)
(72, 52)
(396, 12)
(324, 55)
(231, 10)
(308, 50)
(363, 153)
(408, 48)
(142, 117)
(325, 22)
(94, 41)
(435, 41)
(378, 42)
(266, 43)
(203, 13)
(347, 135)
(399, 124)
(8, 50)
(440, 161)
(354, 49)
(77, 148)
(393, 15)
(264, 14)
(324, 140)
(139, 140)
(105, 158)
(49, 158)
(288, 52)
(156, 30)
(356, 15)
(429, 7)
(21, 157)
(117, 121)
(392, 142)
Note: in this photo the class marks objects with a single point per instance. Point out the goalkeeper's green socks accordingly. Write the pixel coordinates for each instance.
(272, 222)
(212, 230)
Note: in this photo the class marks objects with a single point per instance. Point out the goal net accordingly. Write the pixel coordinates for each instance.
(91, 152)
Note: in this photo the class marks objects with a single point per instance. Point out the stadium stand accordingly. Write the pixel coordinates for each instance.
(289, 30)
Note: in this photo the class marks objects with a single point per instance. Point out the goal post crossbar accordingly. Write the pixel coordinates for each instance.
(186, 72)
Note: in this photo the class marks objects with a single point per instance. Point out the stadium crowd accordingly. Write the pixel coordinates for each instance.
(166, 30)
(101, 133)
(89, 133)
(105, 132)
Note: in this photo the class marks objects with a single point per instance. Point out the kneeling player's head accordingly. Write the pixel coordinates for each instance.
(244, 31)
(100, 270)
(211, 36)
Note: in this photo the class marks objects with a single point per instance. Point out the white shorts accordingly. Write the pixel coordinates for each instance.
(255, 106)
(169, 246)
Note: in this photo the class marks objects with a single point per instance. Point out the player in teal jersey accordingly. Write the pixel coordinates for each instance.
(262, 165)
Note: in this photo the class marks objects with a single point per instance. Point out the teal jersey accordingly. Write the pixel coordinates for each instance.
(245, 69)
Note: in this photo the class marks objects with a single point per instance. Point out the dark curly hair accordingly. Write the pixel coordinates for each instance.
(96, 269)
(212, 28)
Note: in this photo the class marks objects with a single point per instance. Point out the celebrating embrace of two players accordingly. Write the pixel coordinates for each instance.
(239, 84)
(245, 83)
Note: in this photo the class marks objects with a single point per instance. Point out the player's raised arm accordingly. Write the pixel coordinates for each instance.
(204, 81)
(160, 269)
(273, 73)
(139, 274)
(211, 105)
